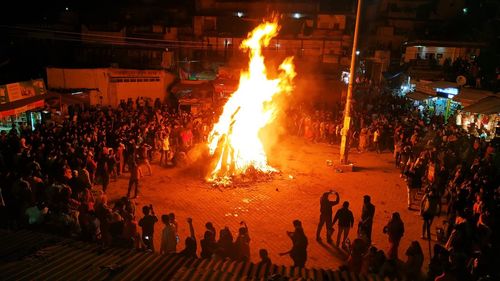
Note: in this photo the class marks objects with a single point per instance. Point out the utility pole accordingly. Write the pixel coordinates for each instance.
(344, 150)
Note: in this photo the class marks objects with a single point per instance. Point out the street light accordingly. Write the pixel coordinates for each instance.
(344, 149)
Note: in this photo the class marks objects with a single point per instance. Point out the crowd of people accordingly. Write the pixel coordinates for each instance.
(470, 69)
(50, 178)
(448, 172)
(48, 173)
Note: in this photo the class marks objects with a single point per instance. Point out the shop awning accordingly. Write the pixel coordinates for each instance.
(193, 89)
(416, 95)
(488, 105)
(225, 85)
(442, 84)
(23, 105)
(469, 96)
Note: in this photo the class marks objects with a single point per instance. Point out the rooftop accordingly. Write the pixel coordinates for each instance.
(28, 255)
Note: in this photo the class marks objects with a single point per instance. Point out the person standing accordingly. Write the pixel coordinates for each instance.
(413, 180)
(103, 171)
(165, 148)
(414, 262)
(366, 223)
(112, 169)
(190, 242)
(428, 209)
(130, 233)
(168, 236)
(362, 140)
(298, 253)
(147, 223)
(265, 261)
(376, 140)
(346, 221)
(208, 245)
(325, 216)
(242, 243)
(120, 158)
(145, 149)
(395, 230)
(135, 174)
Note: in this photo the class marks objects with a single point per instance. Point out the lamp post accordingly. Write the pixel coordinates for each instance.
(344, 150)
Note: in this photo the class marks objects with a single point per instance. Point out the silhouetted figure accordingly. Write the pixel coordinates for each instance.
(346, 221)
(242, 243)
(190, 242)
(208, 245)
(135, 174)
(414, 262)
(395, 230)
(298, 253)
(225, 247)
(168, 236)
(264, 258)
(428, 209)
(366, 223)
(325, 216)
(147, 223)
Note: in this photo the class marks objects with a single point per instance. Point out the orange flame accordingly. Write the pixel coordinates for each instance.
(234, 139)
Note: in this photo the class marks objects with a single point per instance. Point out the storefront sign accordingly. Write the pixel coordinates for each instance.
(135, 73)
(19, 110)
(447, 92)
(21, 90)
(3, 94)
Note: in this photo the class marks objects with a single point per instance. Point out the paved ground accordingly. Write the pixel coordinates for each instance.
(269, 207)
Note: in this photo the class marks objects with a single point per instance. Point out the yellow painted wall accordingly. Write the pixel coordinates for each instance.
(112, 84)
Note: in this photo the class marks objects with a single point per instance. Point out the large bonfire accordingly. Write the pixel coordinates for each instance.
(234, 141)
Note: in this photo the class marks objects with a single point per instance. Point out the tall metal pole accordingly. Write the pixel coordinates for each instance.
(344, 150)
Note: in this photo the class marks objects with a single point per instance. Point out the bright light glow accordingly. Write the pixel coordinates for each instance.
(449, 91)
(345, 77)
(239, 14)
(357, 53)
(465, 10)
(67, 9)
(234, 141)
(297, 15)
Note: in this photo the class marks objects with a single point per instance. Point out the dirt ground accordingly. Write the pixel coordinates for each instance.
(270, 207)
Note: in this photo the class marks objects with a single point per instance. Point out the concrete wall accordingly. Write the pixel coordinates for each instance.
(329, 21)
(96, 79)
(109, 86)
(444, 52)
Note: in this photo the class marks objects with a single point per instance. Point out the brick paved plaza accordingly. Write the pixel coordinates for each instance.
(269, 207)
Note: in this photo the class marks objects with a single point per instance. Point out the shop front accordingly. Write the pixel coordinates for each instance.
(481, 119)
(194, 96)
(436, 98)
(22, 104)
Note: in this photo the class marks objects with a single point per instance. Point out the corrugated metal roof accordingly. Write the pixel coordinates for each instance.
(29, 255)
(488, 105)
(468, 96)
(417, 95)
